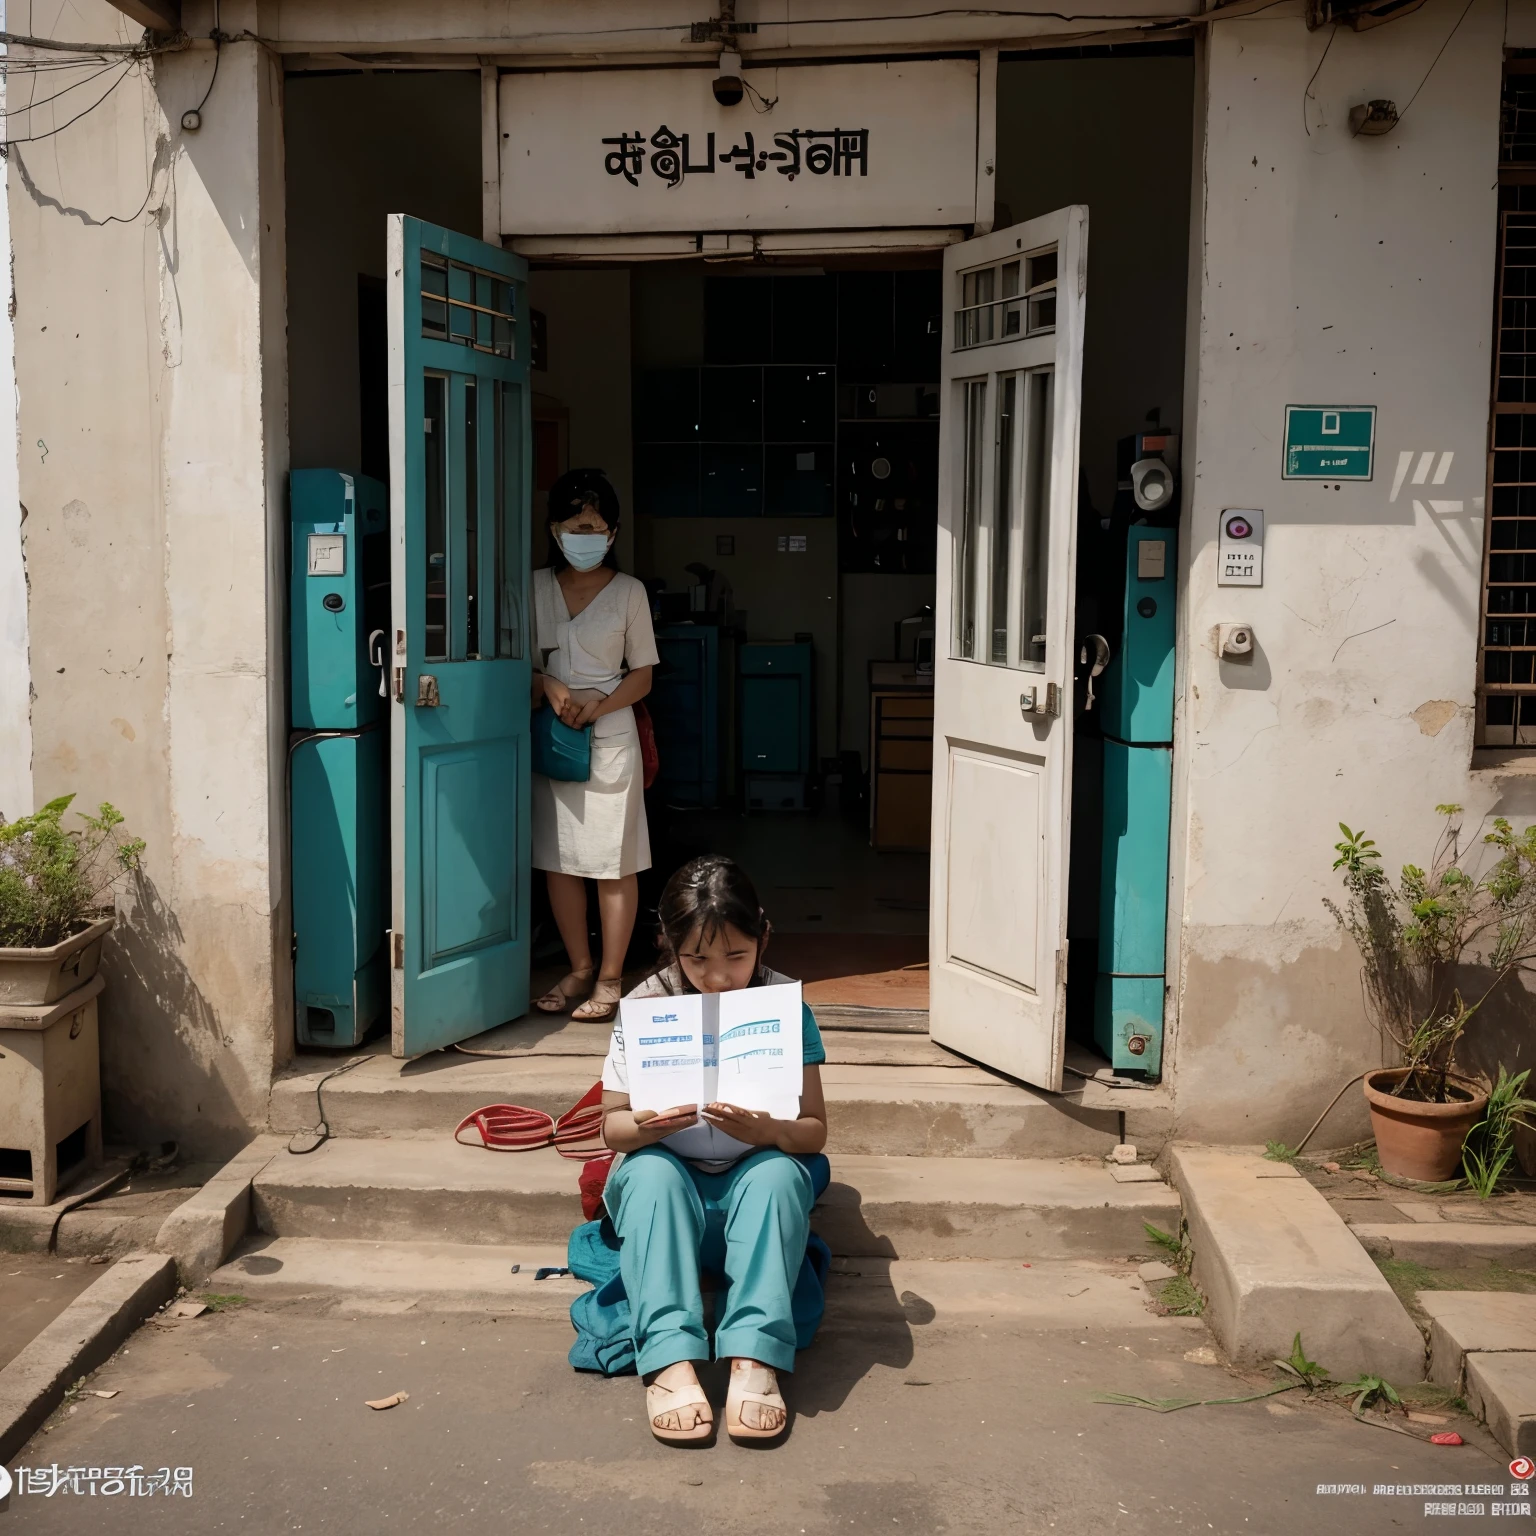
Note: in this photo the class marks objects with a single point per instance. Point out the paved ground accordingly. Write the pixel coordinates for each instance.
(953, 1428)
(34, 1289)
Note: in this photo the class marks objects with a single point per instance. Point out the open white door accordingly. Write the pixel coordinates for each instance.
(1002, 749)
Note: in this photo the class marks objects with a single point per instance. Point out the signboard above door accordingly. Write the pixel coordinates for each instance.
(839, 147)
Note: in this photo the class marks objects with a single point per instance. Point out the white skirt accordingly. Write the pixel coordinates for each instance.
(596, 829)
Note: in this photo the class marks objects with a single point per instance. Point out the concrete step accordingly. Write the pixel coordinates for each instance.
(1482, 1344)
(1450, 1244)
(375, 1277)
(1464, 1323)
(1274, 1259)
(389, 1189)
(888, 1097)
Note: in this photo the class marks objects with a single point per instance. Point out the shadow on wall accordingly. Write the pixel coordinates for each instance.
(158, 1028)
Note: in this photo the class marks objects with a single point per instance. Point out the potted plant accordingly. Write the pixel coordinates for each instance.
(56, 890)
(1422, 940)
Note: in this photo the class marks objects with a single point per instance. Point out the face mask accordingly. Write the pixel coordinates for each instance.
(585, 551)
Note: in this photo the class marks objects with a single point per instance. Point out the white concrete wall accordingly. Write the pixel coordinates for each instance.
(1329, 270)
(152, 368)
(15, 664)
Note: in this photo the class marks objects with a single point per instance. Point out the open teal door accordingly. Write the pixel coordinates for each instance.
(460, 487)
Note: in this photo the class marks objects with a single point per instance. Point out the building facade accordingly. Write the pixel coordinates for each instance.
(1250, 250)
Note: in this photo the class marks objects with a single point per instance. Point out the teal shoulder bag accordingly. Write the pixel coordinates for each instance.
(559, 750)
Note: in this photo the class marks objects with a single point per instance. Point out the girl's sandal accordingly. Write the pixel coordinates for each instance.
(558, 999)
(601, 1007)
(681, 1415)
(754, 1408)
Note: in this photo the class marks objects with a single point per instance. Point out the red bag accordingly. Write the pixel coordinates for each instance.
(514, 1128)
(650, 758)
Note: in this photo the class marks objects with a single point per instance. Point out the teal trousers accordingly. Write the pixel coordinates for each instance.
(748, 1224)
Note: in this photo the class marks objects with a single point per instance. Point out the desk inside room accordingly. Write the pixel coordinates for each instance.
(900, 756)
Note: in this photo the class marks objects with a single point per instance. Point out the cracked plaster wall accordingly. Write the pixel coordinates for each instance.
(1330, 270)
(151, 359)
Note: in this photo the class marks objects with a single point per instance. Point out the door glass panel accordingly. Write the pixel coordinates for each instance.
(434, 429)
(471, 521)
(964, 643)
(1002, 516)
(1012, 319)
(974, 323)
(1013, 298)
(1035, 531)
(509, 542)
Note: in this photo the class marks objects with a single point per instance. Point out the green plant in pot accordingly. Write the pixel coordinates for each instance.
(1420, 940)
(57, 886)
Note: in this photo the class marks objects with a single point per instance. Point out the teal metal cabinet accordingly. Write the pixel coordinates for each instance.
(685, 708)
(339, 828)
(775, 680)
(340, 525)
(340, 886)
(1137, 723)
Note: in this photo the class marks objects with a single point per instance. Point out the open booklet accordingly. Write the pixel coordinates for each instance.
(741, 1048)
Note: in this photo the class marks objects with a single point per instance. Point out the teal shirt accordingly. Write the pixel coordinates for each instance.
(810, 1036)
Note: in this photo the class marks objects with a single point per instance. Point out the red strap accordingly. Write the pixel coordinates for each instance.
(514, 1128)
(583, 1121)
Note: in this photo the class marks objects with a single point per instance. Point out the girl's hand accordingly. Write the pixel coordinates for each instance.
(655, 1125)
(586, 713)
(756, 1127)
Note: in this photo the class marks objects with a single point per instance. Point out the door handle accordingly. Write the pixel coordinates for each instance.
(376, 659)
(426, 691)
(1032, 703)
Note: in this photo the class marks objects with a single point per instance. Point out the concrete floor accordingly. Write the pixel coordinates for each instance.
(965, 1426)
(815, 872)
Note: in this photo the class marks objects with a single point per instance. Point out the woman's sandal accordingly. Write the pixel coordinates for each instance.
(755, 1389)
(558, 999)
(679, 1415)
(599, 1009)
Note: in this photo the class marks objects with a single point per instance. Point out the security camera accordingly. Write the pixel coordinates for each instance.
(727, 84)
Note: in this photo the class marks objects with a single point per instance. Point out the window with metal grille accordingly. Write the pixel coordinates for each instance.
(1507, 663)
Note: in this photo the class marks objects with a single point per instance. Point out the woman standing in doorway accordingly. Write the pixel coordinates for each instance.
(595, 651)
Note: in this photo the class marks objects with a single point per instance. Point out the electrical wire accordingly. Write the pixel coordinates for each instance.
(218, 40)
(1428, 72)
(482, 43)
(33, 105)
(1313, 81)
(57, 45)
(34, 138)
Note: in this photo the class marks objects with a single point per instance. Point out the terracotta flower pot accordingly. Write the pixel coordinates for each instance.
(1422, 1141)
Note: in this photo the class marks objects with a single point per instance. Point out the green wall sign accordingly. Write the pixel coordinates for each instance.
(1329, 442)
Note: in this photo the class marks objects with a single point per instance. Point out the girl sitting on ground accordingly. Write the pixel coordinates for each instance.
(712, 1180)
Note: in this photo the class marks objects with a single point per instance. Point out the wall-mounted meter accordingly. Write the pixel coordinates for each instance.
(1240, 548)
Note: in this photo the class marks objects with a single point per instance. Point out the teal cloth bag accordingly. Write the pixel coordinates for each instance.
(559, 750)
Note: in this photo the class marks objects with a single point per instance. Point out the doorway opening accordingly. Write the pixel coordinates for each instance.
(773, 435)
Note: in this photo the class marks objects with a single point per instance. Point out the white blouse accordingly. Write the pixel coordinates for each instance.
(592, 650)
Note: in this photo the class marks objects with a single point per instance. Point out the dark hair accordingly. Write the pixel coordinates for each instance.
(703, 897)
(575, 489)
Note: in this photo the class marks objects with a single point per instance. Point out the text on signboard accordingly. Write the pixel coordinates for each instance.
(821, 151)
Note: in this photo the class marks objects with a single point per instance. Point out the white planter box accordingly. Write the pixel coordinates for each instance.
(31, 977)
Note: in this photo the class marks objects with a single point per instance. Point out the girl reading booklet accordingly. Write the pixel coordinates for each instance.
(712, 1182)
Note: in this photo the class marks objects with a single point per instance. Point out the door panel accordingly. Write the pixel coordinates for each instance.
(993, 914)
(460, 492)
(1015, 303)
